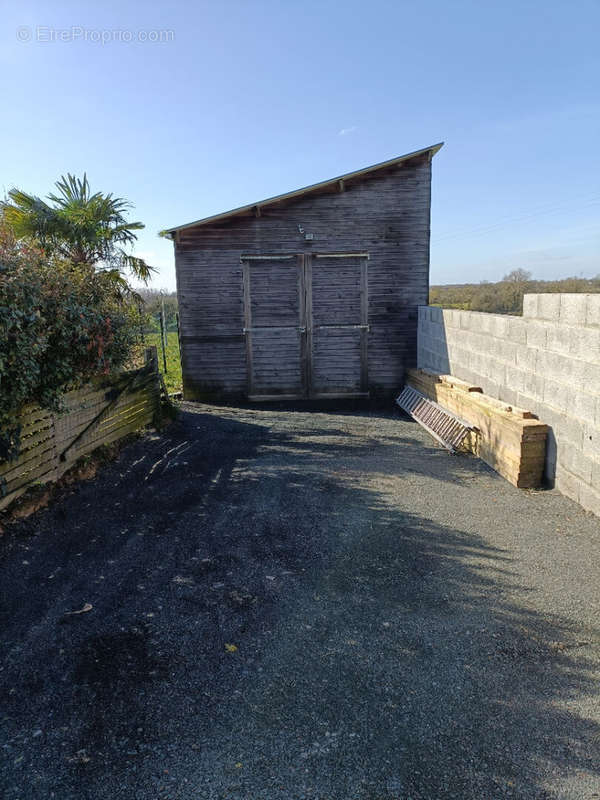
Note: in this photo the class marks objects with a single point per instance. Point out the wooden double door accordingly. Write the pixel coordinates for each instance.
(306, 325)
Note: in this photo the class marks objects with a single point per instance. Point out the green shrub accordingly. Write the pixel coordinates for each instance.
(59, 326)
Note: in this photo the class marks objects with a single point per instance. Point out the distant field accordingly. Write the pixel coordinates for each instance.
(173, 374)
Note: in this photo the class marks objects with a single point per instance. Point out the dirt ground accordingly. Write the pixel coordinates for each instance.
(294, 605)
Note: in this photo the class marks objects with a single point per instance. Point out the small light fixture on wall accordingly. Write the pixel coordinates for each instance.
(308, 236)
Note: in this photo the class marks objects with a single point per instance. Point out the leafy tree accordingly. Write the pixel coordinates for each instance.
(91, 231)
(506, 296)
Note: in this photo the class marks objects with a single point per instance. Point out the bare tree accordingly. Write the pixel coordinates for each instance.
(517, 276)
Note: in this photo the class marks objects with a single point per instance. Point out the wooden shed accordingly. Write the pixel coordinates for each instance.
(311, 294)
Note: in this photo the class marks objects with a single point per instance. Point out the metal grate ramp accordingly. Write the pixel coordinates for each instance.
(441, 424)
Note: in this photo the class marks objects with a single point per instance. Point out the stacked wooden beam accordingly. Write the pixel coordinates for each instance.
(511, 440)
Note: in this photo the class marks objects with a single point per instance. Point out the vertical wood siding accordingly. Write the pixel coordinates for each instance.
(386, 215)
(336, 361)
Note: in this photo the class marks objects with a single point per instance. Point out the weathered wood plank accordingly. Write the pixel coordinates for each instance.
(42, 455)
(46, 434)
(45, 468)
(364, 318)
(138, 407)
(507, 439)
(248, 327)
(27, 448)
(386, 216)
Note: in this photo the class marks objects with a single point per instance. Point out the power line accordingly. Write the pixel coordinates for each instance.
(549, 211)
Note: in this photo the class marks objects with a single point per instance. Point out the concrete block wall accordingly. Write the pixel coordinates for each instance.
(547, 361)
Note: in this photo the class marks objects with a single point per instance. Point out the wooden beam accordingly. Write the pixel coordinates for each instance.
(341, 255)
(506, 438)
(308, 311)
(364, 326)
(260, 398)
(248, 325)
(252, 257)
(303, 324)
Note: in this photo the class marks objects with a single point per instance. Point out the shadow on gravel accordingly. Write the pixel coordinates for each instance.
(377, 655)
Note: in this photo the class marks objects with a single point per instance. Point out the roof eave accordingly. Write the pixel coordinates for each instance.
(432, 149)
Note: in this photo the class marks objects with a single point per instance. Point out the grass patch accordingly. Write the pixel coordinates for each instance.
(173, 374)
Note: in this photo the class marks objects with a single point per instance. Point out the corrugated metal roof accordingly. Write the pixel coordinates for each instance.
(360, 173)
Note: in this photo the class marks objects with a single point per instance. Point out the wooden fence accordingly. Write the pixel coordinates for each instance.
(100, 413)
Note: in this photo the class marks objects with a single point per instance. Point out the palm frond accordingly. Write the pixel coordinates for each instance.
(119, 286)
(30, 217)
(137, 266)
(90, 230)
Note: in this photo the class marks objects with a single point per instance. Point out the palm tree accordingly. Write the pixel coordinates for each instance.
(89, 230)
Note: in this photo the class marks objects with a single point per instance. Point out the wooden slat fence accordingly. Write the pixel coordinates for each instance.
(100, 413)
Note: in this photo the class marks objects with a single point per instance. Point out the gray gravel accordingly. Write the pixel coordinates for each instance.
(298, 605)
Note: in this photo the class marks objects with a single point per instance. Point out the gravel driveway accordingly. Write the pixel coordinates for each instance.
(298, 605)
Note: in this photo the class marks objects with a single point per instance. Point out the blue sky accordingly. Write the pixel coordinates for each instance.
(247, 99)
